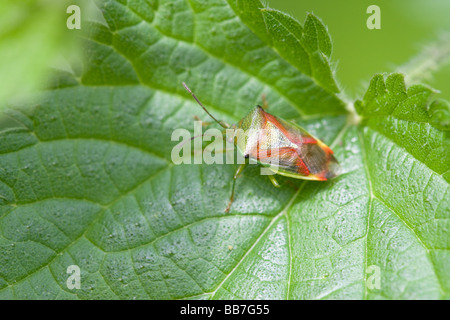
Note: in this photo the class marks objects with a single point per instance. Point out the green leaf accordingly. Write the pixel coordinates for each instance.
(86, 176)
(410, 119)
(308, 48)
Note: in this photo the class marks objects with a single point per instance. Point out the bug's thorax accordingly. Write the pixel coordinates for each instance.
(259, 130)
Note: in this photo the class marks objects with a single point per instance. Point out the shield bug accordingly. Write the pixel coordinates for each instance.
(283, 147)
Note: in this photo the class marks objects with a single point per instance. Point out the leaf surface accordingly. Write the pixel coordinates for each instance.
(86, 176)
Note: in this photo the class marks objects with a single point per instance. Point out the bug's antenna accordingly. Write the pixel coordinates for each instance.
(222, 124)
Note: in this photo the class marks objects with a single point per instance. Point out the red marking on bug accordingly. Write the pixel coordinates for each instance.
(309, 140)
(326, 148)
(294, 139)
(302, 168)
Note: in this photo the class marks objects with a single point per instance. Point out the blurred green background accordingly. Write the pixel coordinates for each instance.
(33, 39)
(33, 34)
(407, 27)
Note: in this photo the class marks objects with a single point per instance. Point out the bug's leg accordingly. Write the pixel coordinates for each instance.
(236, 175)
(265, 105)
(274, 181)
(204, 123)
